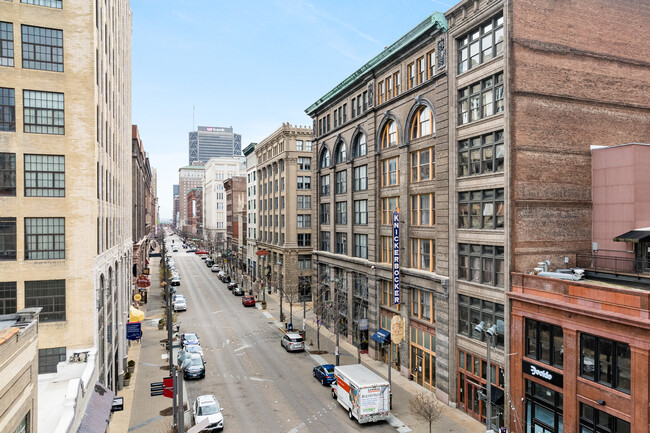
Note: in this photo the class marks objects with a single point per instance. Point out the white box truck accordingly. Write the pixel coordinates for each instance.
(364, 394)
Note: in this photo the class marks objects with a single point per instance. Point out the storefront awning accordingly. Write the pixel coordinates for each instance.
(136, 315)
(98, 412)
(635, 236)
(381, 336)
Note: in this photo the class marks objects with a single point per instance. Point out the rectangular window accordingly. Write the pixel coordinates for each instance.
(341, 182)
(389, 88)
(43, 112)
(6, 44)
(49, 3)
(307, 145)
(304, 182)
(299, 149)
(361, 246)
(421, 305)
(359, 105)
(48, 359)
(304, 239)
(304, 163)
(341, 212)
(422, 70)
(8, 297)
(7, 238)
(50, 296)
(423, 165)
(325, 241)
(325, 213)
(593, 420)
(544, 342)
(410, 71)
(380, 92)
(396, 81)
(481, 209)
(481, 99)
(44, 175)
(42, 48)
(335, 117)
(7, 174)
(365, 100)
(390, 171)
(481, 154)
(431, 60)
(304, 262)
(342, 243)
(481, 44)
(304, 221)
(481, 264)
(44, 238)
(423, 254)
(386, 249)
(325, 185)
(423, 210)
(360, 178)
(388, 205)
(474, 311)
(7, 110)
(354, 109)
(387, 296)
(328, 123)
(304, 202)
(361, 212)
(606, 362)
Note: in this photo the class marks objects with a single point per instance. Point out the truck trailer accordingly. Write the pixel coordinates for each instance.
(364, 394)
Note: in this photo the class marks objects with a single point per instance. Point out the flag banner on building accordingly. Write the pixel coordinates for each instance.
(396, 282)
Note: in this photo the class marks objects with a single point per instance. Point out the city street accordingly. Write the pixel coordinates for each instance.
(259, 385)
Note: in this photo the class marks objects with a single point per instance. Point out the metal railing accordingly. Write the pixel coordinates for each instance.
(613, 264)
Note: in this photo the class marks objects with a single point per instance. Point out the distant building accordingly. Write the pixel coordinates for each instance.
(235, 189)
(189, 177)
(142, 198)
(194, 207)
(212, 142)
(251, 210)
(217, 170)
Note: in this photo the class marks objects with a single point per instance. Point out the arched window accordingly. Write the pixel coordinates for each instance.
(422, 123)
(325, 158)
(341, 152)
(389, 135)
(359, 147)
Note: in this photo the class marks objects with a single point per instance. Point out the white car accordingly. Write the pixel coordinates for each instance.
(215, 268)
(175, 249)
(180, 304)
(207, 407)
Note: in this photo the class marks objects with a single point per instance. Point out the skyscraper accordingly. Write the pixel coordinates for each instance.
(209, 142)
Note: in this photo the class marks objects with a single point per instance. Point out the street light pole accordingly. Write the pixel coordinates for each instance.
(488, 378)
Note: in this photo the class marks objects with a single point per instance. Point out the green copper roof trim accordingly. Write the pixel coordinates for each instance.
(249, 149)
(435, 20)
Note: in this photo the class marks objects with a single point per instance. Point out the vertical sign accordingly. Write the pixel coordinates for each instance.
(396, 291)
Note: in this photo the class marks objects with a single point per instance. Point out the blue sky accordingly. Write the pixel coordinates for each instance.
(248, 64)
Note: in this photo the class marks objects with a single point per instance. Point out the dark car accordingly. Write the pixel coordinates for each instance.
(232, 286)
(324, 373)
(188, 339)
(194, 367)
(225, 279)
(248, 301)
(237, 291)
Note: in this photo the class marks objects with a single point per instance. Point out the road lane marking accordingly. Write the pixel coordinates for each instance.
(297, 428)
(245, 346)
(267, 315)
(399, 425)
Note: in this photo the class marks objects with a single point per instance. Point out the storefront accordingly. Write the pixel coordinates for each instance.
(472, 388)
(544, 399)
(385, 323)
(423, 357)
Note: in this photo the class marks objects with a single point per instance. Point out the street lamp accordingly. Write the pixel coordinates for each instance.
(490, 333)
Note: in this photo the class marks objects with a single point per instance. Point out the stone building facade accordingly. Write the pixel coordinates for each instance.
(252, 260)
(189, 177)
(285, 193)
(67, 209)
(143, 210)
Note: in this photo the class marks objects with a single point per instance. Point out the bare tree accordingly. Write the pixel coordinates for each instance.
(425, 407)
(292, 295)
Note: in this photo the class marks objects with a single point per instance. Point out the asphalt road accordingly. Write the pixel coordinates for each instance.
(260, 387)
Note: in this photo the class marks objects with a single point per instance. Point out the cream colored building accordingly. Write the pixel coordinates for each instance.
(214, 198)
(285, 188)
(189, 177)
(252, 259)
(65, 194)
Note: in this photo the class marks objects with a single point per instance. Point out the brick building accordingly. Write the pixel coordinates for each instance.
(235, 189)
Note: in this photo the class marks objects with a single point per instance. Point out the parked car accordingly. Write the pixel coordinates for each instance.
(248, 301)
(175, 249)
(180, 304)
(194, 367)
(237, 291)
(209, 262)
(215, 268)
(176, 281)
(201, 252)
(324, 373)
(292, 342)
(225, 279)
(232, 286)
(207, 406)
(189, 339)
(177, 296)
(191, 250)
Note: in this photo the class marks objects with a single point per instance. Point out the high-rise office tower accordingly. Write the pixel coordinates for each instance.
(209, 142)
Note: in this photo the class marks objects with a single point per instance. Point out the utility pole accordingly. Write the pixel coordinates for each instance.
(181, 404)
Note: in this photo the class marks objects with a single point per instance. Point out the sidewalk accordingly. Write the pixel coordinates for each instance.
(451, 420)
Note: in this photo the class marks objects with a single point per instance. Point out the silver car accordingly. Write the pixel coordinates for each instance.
(292, 342)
